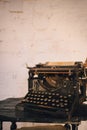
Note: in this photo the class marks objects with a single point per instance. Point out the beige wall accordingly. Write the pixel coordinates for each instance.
(33, 31)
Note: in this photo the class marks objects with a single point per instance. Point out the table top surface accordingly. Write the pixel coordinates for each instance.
(9, 113)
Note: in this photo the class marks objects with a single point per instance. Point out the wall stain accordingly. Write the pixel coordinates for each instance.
(4, 1)
(13, 11)
(1, 41)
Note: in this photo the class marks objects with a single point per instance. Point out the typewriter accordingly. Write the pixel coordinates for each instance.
(56, 88)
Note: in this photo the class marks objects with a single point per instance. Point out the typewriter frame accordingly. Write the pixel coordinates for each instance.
(76, 72)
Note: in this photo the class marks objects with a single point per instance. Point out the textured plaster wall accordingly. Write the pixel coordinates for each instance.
(34, 31)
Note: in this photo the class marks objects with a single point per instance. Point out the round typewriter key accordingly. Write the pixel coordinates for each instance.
(75, 87)
(32, 95)
(49, 100)
(45, 103)
(39, 92)
(57, 101)
(42, 103)
(65, 97)
(65, 104)
(53, 104)
(35, 98)
(61, 105)
(43, 92)
(66, 101)
(57, 94)
(69, 95)
(38, 102)
(61, 100)
(35, 92)
(29, 94)
(46, 92)
(42, 95)
(66, 109)
(49, 96)
(53, 94)
(34, 101)
(64, 86)
(61, 96)
(38, 98)
(41, 99)
(45, 99)
(53, 100)
(57, 105)
(49, 93)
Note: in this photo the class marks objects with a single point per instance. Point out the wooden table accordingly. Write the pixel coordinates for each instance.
(9, 114)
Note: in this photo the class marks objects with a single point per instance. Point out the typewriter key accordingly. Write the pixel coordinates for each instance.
(66, 109)
(69, 95)
(35, 92)
(49, 93)
(45, 99)
(65, 101)
(42, 95)
(65, 97)
(61, 100)
(29, 94)
(57, 101)
(38, 98)
(38, 102)
(61, 96)
(57, 105)
(49, 100)
(53, 104)
(46, 92)
(53, 100)
(41, 99)
(45, 103)
(61, 104)
(49, 96)
(31, 98)
(43, 92)
(34, 98)
(42, 103)
(75, 87)
(65, 104)
(53, 94)
(57, 94)
(39, 92)
(32, 95)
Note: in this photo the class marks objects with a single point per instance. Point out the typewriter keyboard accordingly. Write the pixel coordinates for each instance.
(49, 100)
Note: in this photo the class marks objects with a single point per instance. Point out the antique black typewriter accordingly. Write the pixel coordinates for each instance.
(56, 88)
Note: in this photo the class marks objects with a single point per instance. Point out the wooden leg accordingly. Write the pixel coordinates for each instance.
(13, 126)
(74, 126)
(0, 125)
